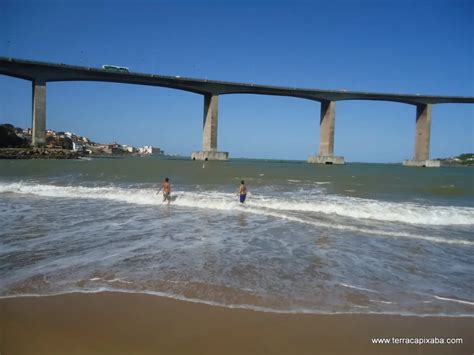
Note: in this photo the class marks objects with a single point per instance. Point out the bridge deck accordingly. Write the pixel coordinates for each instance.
(34, 70)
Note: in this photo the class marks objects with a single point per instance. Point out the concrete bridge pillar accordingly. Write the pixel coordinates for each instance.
(209, 136)
(326, 136)
(38, 124)
(422, 138)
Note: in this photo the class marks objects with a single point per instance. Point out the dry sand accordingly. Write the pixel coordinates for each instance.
(120, 323)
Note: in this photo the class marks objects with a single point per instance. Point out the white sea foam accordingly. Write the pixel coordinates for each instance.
(453, 300)
(113, 280)
(377, 301)
(375, 232)
(358, 288)
(371, 209)
(357, 208)
(260, 205)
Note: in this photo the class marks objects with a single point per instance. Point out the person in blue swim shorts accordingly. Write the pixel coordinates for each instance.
(242, 192)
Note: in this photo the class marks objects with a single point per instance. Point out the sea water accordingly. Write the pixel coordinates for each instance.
(358, 238)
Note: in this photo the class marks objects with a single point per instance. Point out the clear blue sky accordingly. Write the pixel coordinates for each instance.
(382, 46)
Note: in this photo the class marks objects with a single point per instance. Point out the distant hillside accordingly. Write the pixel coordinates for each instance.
(463, 159)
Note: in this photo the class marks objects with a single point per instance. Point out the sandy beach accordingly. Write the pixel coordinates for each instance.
(121, 323)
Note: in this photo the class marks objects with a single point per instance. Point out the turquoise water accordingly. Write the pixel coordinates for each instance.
(363, 238)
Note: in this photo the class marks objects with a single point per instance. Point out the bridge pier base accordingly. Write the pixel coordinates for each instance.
(326, 136)
(329, 160)
(422, 163)
(38, 124)
(210, 155)
(209, 138)
(422, 139)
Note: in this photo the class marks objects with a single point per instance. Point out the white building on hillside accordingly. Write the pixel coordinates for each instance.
(77, 147)
(128, 148)
(149, 150)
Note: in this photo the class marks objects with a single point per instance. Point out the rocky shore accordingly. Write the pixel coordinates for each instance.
(37, 153)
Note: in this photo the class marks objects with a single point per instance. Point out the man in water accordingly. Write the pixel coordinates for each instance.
(166, 187)
(242, 191)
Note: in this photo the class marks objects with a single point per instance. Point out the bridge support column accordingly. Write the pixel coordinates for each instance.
(209, 138)
(326, 136)
(422, 139)
(38, 124)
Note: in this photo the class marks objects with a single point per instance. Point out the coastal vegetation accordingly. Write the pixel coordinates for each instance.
(9, 137)
(466, 159)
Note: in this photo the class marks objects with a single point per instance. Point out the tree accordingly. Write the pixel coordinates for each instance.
(8, 137)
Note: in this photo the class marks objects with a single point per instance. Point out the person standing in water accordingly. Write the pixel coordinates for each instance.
(166, 188)
(242, 192)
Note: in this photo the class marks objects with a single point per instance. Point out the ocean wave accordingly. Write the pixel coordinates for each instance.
(366, 231)
(351, 207)
(358, 208)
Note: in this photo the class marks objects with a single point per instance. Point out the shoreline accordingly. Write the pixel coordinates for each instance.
(34, 153)
(37, 153)
(123, 323)
(244, 307)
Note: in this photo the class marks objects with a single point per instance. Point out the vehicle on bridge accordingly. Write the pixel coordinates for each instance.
(115, 68)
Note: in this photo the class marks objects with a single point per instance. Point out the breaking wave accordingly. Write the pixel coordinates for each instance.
(357, 208)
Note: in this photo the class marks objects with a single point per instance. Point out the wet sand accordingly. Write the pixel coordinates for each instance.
(120, 323)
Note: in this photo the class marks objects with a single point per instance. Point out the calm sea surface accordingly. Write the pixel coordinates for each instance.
(358, 238)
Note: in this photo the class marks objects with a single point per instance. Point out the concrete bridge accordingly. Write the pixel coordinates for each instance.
(40, 73)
